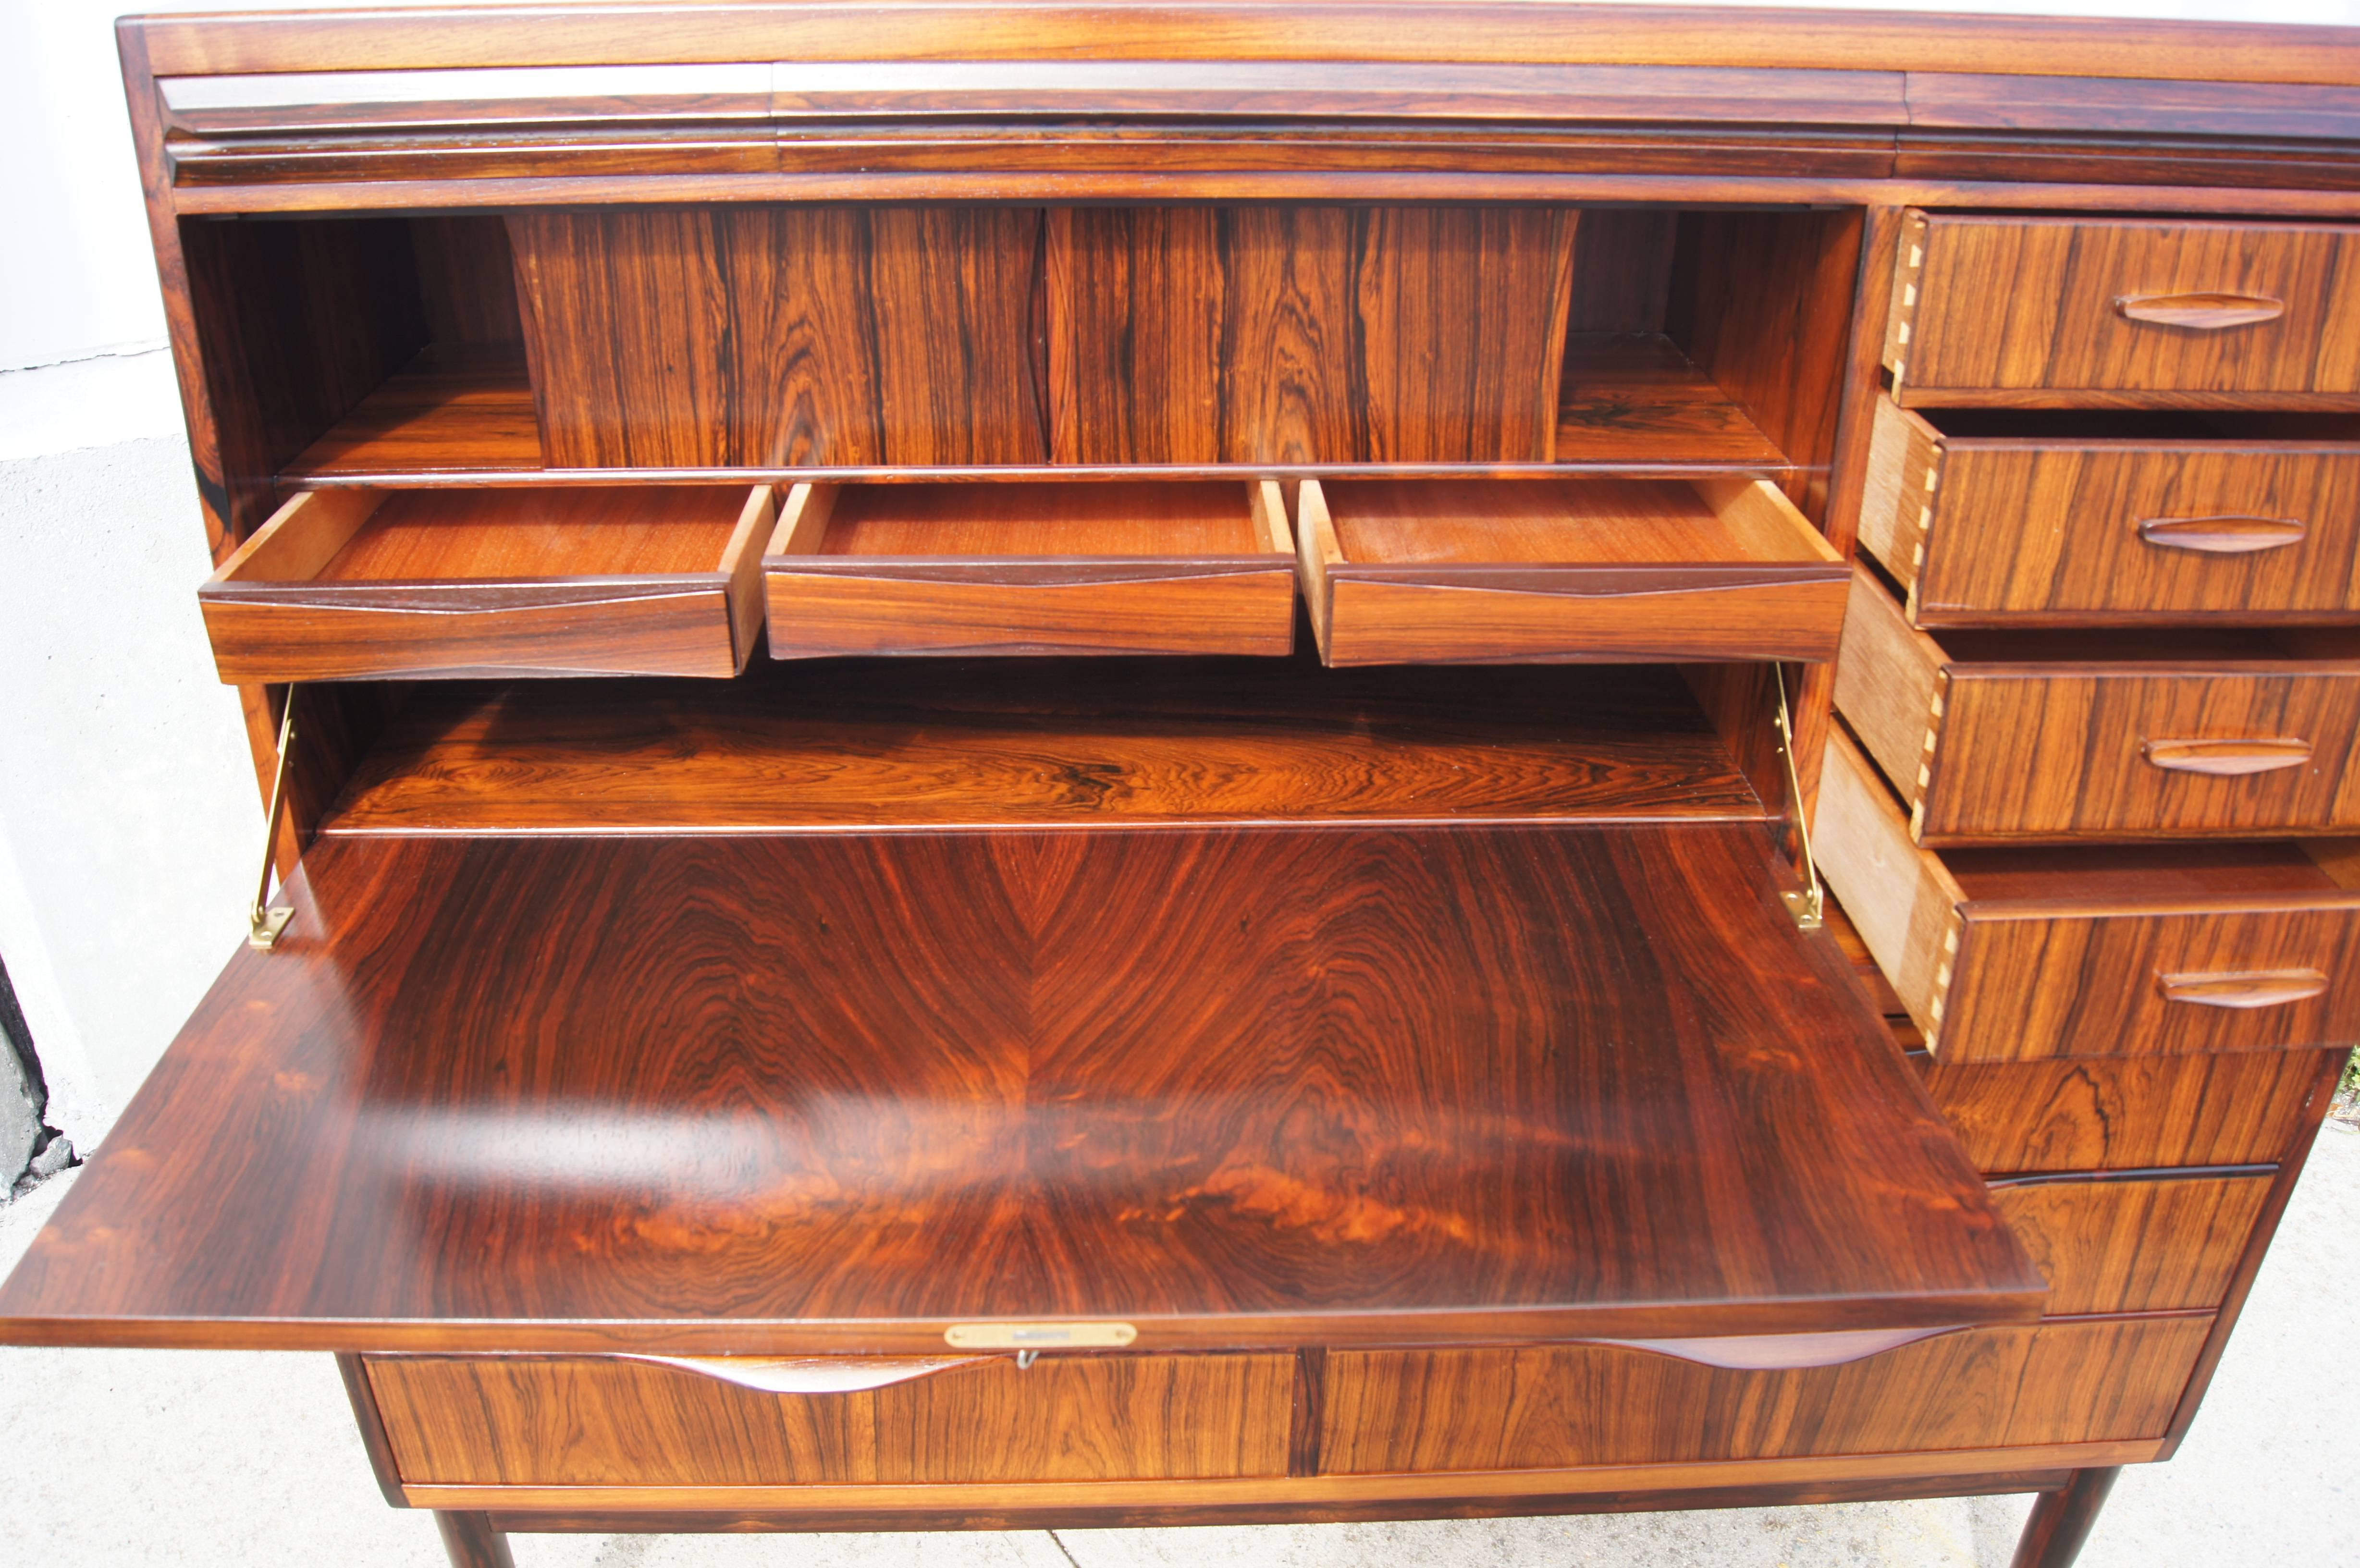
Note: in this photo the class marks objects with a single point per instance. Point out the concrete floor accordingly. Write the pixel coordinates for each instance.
(137, 1457)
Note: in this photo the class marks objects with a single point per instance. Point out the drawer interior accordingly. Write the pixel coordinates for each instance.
(1128, 520)
(2172, 427)
(2197, 647)
(2162, 872)
(477, 535)
(1573, 523)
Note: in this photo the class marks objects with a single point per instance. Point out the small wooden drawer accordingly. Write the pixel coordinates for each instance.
(1562, 1405)
(1995, 517)
(2058, 736)
(1075, 567)
(2128, 1113)
(492, 1420)
(1557, 571)
(2017, 955)
(2134, 1243)
(2033, 311)
(378, 584)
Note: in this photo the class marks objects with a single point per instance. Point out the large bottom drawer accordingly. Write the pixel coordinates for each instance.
(1548, 1405)
(609, 1421)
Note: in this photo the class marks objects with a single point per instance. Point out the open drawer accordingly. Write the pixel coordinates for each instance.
(1167, 1090)
(2184, 732)
(369, 583)
(2009, 518)
(1513, 570)
(2006, 955)
(1072, 567)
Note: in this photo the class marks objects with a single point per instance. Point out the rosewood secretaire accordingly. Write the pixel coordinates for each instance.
(1041, 763)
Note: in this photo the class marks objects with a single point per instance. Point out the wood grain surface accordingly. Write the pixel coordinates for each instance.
(2126, 1113)
(1634, 398)
(744, 1094)
(2044, 749)
(874, 743)
(534, 1422)
(467, 409)
(2065, 531)
(2017, 955)
(1509, 571)
(1789, 39)
(2029, 305)
(1307, 334)
(764, 335)
(1487, 1408)
(2157, 1244)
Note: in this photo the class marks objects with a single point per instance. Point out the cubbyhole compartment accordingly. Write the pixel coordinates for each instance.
(1554, 570)
(1126, 567)
(369, 583)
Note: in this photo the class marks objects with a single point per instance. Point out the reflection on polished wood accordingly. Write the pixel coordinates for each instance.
(1238, 1088)
(1050, 743)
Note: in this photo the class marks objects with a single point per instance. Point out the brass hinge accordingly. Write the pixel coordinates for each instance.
(1807, 904)
(266, 920)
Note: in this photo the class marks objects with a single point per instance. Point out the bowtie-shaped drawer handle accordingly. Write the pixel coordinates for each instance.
(2227, 758)
(2231, 534)
(2243, 990)
(2198, 313)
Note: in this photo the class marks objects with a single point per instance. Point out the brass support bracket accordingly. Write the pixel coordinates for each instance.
(266, 920)
(1808, 904)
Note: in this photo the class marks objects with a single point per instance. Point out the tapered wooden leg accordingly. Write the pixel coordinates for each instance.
(472, 1542)
(2060, 1520)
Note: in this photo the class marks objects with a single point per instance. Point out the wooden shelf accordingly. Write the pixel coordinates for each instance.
(1512, 570)
(1633, 398)
(368, 583)
(469, 412)
(1122, 567)
(746, 1095)
(1085, 743)
(1631, 403)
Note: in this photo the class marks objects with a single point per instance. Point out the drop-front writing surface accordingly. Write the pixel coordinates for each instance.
(1522, 1073)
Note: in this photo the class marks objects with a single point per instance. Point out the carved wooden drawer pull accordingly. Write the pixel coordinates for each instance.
(2227, 758)
(2199, 313)
(2232, 534)
(2246, 990)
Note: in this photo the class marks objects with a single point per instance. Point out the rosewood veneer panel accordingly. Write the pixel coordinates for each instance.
(1073, 743)
(1307, 334)
(2126, 1113)
(2032, 308)
(536, 1421)
(2118, 1245)
(736, 335)
(1238, 1088)
(1487, 1408)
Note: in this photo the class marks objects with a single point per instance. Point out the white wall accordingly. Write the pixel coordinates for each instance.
(129, 818)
